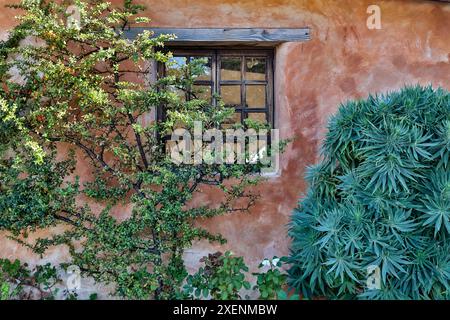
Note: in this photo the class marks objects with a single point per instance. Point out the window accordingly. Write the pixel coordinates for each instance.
(243, 79)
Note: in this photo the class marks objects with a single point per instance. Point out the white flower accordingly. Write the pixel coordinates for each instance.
(258, 155)
(275, 261)
(265, 263)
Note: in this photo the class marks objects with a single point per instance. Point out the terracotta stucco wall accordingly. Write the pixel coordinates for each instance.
(344, 60)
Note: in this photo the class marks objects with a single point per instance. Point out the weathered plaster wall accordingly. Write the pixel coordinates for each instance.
(344, 60)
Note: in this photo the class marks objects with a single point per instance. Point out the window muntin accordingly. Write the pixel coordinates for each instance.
(243, 79)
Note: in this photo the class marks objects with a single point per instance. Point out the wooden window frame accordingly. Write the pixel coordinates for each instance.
(216, 82)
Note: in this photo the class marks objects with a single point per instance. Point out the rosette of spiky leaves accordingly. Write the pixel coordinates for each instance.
(380, 197)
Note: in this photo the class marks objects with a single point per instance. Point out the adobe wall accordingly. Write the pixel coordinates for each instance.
(344, 60)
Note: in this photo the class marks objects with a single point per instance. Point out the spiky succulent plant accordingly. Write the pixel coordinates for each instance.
(379, 199)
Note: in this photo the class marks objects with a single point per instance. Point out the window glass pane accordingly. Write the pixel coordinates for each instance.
(236, 118)
(255, 69)
(201, 67)
(231, 95)
(174, 66)
(230, 68)
(257, 116)
(256, 96)
(201, 92)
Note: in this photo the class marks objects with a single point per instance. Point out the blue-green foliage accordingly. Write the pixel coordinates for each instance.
(380, 196)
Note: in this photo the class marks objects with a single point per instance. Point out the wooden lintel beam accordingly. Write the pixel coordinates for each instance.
(231, 35)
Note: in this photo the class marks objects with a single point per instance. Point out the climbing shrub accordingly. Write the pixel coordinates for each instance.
(80, 91)
(18, 281)
(379, 197)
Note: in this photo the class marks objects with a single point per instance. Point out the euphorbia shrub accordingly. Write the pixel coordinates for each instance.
(82, 88)
(379, 197)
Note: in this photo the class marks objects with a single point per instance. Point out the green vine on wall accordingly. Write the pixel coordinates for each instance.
(82, 89)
